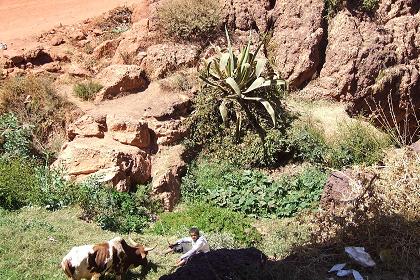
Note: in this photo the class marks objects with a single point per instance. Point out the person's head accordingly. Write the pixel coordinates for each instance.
(194, 233)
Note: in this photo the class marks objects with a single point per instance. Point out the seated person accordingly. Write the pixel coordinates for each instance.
(189, 246)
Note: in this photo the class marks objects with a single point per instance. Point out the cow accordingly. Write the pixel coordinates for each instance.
(113, 256)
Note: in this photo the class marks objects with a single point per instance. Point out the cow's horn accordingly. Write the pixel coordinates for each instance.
(147, 249)
(135, 244)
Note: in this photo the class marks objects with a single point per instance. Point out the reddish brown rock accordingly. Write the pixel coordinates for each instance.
(77, 35)
(78, 71)
(122, 165)
(57, 40)
(134, 41)
(246, 14)
(52, 67)
(372, 59)
(141, 10)
(167, 168)
(161, 59)
(343, 188)
(168, 132)
(106, 49)
(119, 80)
(59, 55)
(87, 126)
(127, 130)
(296, 43)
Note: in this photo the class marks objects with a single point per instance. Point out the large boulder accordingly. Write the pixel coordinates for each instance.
(296, 43)
(106, 49)
(247, 14)
(87, 126)
(344, 188)
(127, 130)
(122, 165)
(167, 168)
(161, 59)
(119, 80)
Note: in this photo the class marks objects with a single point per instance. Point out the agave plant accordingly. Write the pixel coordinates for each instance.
(237, 77)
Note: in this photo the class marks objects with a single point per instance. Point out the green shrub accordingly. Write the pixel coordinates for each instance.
(86, 90)
(23, 183)
(252, 192)
(217, 140)
(189, 19)
(53, 190)
(15, 139)
(116, 211)
(356, 143)
(17, 183)
(242, 86)
(307, 142)
(209, 219)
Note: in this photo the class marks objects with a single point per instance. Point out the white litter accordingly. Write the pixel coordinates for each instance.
(360, 256)
(344, 272)
(3, 46)
(357, 275)
(337, 267)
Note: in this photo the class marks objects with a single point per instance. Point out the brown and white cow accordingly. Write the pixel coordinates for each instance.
(113, 256)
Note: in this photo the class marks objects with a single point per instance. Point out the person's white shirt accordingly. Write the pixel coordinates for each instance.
(199, 246)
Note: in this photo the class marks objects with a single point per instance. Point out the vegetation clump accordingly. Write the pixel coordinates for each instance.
(35, 104)
(252, 192)
(117, 211)
(333, 6)
(87, 90)
(353, 143)
(239, 116)
(209, 219)
(190, 19)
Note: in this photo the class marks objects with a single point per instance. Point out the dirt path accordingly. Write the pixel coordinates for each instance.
(21, 19)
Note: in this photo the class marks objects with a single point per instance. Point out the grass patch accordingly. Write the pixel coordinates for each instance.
(86, 90)
(33, 241)
(209, 219)
(353, 143)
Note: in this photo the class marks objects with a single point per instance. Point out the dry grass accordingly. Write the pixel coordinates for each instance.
(384, 217)
(34, 101)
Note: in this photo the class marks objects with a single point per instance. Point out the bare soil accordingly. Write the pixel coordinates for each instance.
(20, 20)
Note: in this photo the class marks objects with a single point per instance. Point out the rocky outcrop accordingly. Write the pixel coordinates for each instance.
(106, 49)
(247, 14)
(119, 80)
(296, 43)
(167, 168)
(129, 131)
(123, 166)
(87, 126)
(161, 59)
(372, 59)
(133, 44)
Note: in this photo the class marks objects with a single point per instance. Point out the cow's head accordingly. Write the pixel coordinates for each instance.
(136, 253)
